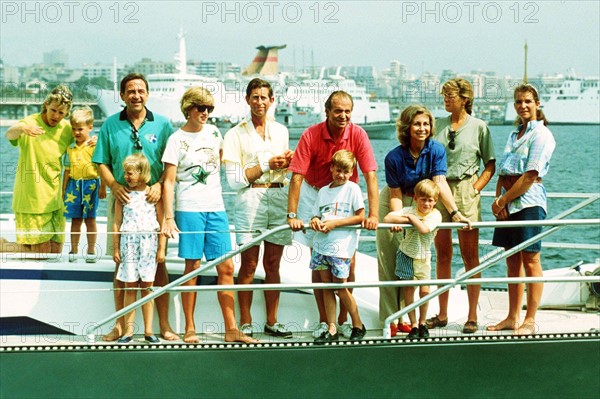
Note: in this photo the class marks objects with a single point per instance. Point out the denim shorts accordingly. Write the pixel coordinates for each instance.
(510, 237)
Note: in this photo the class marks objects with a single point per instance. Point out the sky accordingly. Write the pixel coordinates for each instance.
(462, 36)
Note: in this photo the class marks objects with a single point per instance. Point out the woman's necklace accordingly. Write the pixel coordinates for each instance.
(413, 156)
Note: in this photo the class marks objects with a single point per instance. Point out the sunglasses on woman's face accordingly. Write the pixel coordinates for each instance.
(202, 108)
(451, 143)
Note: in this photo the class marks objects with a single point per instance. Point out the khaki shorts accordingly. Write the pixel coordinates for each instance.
(51, 227)
(467, 201)
(422, 268)
(258, 210)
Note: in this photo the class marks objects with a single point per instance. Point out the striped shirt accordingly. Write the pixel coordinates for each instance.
(531, 152)
(417, 245)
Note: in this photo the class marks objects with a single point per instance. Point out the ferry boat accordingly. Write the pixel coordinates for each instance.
(575, 102)
(302, 104)
(53, 312)
(166, 90)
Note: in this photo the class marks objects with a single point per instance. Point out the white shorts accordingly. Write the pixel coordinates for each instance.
(258, 210)
(138, 257)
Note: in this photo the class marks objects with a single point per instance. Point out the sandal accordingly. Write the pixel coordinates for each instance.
(436, 322)
(470, 327)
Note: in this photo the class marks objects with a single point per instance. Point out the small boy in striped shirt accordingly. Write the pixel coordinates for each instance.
(413, 259)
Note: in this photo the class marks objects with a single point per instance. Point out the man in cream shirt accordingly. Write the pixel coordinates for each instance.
(256, 155)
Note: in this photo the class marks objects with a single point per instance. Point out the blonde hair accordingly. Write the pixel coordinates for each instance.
(83, 115)
(139, 163)
(462, 88)
(427, 188)
(61, 95)
(344, 159)
(405, 120)
(195, 96)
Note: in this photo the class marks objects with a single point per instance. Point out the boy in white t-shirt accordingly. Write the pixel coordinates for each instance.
(413, 259)
(338, 204)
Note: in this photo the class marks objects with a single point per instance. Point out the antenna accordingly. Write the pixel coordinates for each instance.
(525, 67)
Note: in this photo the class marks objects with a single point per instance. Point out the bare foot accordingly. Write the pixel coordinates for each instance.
(238, 336)
(190, 337)
(169, 335)
(527, 328)
(113, 335)
(506, 324)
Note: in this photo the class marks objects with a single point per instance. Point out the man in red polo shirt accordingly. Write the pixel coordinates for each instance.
(310, 168)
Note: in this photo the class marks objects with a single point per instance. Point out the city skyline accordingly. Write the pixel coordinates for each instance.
(424, 36)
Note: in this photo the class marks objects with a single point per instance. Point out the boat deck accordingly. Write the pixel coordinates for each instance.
(493, 306)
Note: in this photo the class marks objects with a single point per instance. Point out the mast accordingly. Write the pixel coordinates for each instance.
(181, 56)
(525, 66)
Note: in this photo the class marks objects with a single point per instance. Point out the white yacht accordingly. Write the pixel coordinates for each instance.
(575, 102)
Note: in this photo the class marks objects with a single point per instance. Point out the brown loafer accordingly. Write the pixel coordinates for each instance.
(436, 322)
(470, 327)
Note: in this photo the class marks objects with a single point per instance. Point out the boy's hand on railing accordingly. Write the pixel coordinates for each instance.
(396, 229)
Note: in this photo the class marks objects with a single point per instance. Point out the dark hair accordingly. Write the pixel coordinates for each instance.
(258, 83)
(340, 93)
(527, 88)
(133, 76)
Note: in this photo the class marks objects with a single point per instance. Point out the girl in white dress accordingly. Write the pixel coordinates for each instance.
(137, 246)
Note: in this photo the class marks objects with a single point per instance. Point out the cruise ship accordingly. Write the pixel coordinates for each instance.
(166, 90)
(575, 102)
(302, 104)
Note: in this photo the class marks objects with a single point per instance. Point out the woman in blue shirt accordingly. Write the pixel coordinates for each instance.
(417, 157)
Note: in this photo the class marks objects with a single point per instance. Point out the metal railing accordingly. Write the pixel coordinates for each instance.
(446, 283)
(487, 261)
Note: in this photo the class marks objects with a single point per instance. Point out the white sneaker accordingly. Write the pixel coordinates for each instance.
(72, 257)
(346, 330)
(246, 329)
(277, 330)
(320, 329)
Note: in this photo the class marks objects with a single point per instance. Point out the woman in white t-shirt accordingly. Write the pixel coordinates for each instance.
(194, 205)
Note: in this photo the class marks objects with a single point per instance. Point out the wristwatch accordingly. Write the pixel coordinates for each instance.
(291, 215)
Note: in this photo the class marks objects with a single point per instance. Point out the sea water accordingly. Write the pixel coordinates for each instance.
(574, 168)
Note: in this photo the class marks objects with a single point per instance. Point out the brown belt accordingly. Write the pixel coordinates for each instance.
(266, 185)
(507, 181)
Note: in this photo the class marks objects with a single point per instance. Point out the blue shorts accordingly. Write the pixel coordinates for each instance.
(214, 239)
(510, 237)
(81, 198)
(340, 267)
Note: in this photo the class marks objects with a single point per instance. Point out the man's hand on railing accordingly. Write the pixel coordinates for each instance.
(295, 224)
(370, 223)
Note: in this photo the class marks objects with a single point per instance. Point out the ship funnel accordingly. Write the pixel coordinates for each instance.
(266, 61)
